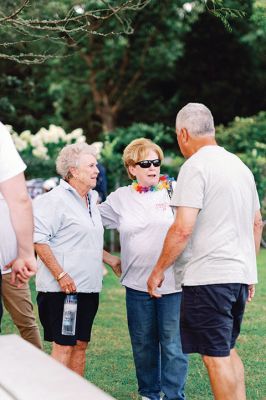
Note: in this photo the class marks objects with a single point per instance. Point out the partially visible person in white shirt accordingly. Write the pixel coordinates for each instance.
(17, 300)
(13, 190)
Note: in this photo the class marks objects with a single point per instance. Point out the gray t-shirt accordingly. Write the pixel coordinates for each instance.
(222, 244)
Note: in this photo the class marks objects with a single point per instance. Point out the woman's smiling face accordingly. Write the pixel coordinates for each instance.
(147, 176)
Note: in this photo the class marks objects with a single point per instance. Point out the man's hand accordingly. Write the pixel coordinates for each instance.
(175, 243)
(22, 270)
(155, 280)
(251, 292)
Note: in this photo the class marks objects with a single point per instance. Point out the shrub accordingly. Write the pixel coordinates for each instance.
(246, 138)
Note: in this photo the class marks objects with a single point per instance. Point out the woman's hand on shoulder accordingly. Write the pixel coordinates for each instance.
(113, 261)
(116, 265)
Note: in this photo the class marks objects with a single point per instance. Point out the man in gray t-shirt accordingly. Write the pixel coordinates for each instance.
(218, 218)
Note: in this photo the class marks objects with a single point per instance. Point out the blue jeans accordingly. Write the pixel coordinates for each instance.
(154, 329)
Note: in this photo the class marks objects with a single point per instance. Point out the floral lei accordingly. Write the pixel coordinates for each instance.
(164, 183)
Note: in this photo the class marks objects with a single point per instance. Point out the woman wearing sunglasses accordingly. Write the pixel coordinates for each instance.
(142, 215)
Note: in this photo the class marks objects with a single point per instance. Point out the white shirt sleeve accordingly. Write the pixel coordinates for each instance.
(189, 189)
(109, 212)
(256, 199)
(11, 163)
(47, 219)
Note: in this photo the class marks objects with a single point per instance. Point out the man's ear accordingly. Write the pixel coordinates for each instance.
(184, 135)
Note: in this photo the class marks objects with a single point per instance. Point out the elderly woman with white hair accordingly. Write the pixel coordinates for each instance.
(68, 240)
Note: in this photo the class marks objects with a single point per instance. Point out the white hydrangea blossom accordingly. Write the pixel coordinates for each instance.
(75, 136)
(41, 152)
(76, 133)
(41, 135)
(26, 136)
(19, 143)
(38, 142)
(54, 134)
(98, 146)
(81, 139)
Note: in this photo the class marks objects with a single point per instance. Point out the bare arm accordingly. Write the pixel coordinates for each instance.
(175, 242)
(258, 226)
(15, 193)
(113, 261)
(46, 255)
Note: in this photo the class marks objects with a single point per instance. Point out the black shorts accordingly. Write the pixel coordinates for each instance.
(50, 307)
(211, 317)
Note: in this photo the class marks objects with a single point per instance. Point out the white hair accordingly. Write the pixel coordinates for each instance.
(197, 119)
(69, 157)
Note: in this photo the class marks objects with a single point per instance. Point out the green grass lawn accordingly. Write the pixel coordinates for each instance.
(110, 363)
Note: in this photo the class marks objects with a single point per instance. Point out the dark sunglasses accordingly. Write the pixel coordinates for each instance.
(148, 163)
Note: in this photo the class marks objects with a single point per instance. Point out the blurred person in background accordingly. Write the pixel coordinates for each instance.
(101, 186)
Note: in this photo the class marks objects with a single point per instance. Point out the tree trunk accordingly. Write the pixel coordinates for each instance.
(108, 117)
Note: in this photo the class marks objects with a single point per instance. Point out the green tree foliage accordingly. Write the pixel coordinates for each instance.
(101, 78)
(115, 80)
(221, 68)
(26, 100)
(110, 76)
(32, 32)
(246, 138)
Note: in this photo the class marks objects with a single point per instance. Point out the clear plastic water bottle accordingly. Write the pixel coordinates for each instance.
(70, 315)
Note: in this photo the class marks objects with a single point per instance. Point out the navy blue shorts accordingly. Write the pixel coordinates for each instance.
(50, 307)
(211, 317)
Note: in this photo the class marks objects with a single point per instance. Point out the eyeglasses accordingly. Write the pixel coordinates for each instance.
(148, 163)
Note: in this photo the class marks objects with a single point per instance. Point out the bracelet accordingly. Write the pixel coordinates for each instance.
(61, 275)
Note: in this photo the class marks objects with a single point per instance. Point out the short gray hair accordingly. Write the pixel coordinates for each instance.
(197, 119)
(69, 157)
